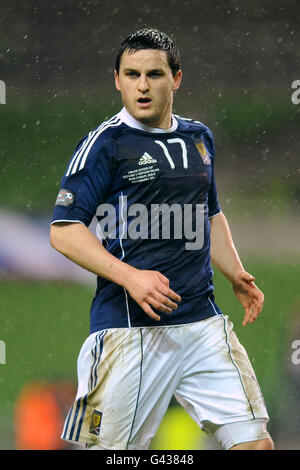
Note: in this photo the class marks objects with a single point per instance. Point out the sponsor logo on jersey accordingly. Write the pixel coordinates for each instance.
(203, 152)
(65, 198)
(96, 422)
(146, 159)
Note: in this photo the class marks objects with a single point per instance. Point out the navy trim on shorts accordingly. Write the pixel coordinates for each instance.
(229, 350)
(67, 423)
(96, 354)
(75, 419)
(97, 357)
(81, 418)
(138, 395)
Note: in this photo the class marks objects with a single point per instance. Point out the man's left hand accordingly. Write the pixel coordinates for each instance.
(251, 298)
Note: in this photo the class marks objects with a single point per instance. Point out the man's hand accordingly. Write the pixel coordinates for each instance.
(249, 295)
(151, 289)
(147, 288)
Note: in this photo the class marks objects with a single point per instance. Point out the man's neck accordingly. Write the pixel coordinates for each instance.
(132, 122)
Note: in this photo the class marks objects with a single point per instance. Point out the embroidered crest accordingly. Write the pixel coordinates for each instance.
(96, 422)
(203, 152)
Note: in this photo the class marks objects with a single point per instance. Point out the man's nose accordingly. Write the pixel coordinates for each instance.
(143, 83)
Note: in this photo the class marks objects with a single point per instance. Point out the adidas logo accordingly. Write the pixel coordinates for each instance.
(146, 159)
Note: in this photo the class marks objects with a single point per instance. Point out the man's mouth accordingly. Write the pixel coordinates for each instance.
(144, 102)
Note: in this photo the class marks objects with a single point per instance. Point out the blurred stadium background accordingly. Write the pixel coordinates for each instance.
(56, 59)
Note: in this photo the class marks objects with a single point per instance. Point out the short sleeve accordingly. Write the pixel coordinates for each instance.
(85, 185)
(212, 201)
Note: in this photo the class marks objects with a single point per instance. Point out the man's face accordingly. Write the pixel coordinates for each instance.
(146, 83)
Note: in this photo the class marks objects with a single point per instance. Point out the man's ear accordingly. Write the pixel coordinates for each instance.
(177, 80)
(117, 83)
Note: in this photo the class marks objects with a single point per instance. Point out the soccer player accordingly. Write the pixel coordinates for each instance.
(155, 328)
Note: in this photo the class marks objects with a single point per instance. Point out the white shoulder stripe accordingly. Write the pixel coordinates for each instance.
(92, 136)
(77, 156)
(89, 142)
(118, 123)
(79, 152)
(190, 120)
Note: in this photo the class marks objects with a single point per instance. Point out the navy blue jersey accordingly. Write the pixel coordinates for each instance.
(124, 173)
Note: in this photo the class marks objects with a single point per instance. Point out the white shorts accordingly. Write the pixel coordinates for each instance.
(127, 377)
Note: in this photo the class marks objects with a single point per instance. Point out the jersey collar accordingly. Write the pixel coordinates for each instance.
(131, 122)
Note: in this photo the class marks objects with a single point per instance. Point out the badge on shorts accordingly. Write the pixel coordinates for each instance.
(65, 198)
(96, 422)
(203, 152)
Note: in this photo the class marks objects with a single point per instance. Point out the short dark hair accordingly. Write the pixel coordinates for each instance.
(148, 38)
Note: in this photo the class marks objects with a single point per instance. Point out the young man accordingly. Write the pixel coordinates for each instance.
(155, 327)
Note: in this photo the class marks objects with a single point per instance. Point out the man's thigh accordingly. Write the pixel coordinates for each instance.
(126, 380)
(218, 386)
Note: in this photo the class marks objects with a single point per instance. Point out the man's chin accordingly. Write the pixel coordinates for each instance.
(146, 117)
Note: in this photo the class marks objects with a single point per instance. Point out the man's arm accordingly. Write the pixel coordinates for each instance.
(225, 257)
(147, 288)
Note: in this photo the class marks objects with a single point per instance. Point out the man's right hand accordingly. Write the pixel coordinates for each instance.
(151, 289)
(147, 288)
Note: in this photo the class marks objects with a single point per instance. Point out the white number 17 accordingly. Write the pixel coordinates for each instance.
(167, 154)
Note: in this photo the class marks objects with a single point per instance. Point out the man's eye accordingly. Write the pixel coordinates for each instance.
(155, 74)
(132, 74)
